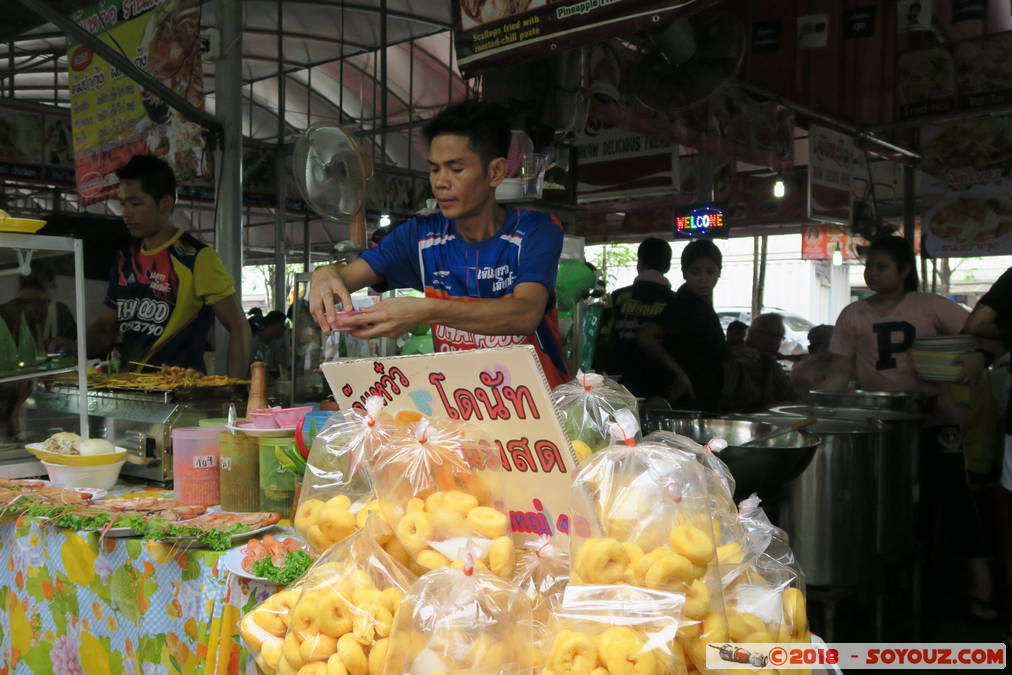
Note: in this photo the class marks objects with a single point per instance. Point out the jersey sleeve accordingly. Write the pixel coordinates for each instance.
(844, 339)
(212, 282)
(950, 316)
(999, 297)
(395, 258)
(542, 247)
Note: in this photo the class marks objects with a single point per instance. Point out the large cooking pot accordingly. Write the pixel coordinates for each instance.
(764, 468)
(914, 402)
(830, 510)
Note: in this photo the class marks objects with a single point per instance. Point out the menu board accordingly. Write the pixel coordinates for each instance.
(504, 393)
(114, 118)
(35, 145)
(830, 173)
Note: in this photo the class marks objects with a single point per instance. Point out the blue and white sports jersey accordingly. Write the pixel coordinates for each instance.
(426, 254)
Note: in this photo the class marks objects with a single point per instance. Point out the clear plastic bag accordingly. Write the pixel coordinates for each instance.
(586, 405)
(263, 629)
(542, 573)
(461, 621)
(337, 494)
(644, 518)
(613, 629)
(434, 485)
(342, 620)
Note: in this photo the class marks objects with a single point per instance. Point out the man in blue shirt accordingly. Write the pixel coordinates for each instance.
(487, 271)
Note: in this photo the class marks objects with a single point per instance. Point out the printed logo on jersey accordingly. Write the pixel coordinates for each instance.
(893, 337)
(447, 339)
(143, 315)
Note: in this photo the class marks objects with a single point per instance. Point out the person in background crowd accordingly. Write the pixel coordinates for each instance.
(870, 345)
(256, 320)
(753, 379)
(472, 249)
(269, 345)
(736, 331)
(631, 307)
(811, 371)
(167, 288)
(685, 343)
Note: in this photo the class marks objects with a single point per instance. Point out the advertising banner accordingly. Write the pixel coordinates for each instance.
(504, 393)
(35, 145)
(113, 117)
(830, 171)
(495, 32)
(616, 163)
(820, 242)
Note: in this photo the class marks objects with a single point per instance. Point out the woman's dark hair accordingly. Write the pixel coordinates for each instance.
(156, 177)
(700, 249)
(484, 124)
(902, 253)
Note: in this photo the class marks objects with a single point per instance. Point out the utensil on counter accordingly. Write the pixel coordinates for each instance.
(783, 431)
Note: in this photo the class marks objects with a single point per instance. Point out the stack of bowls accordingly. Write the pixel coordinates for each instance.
(934, 357)
(81, 471)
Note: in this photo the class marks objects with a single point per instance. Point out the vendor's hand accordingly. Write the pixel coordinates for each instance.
(681, 387)
(325, 286)
(389, 318)
(971, 366)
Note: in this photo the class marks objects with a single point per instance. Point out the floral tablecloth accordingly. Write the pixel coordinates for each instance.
(75, 604)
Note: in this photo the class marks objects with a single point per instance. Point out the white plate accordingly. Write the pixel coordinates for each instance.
(248, 429)
(232, 561)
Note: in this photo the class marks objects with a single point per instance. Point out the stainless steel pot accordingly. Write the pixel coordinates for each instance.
(830, 511)
(764, 468)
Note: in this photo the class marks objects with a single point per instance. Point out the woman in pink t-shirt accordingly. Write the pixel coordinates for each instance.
(871, 343)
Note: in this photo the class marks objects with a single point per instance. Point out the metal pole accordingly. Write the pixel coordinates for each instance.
(82, 348)
(385, 85)
(306, 252)
(279, 167)
(125, 65)
(909, 203)
(228, 104)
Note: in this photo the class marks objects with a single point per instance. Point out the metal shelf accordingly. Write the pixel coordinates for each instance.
(37, 374)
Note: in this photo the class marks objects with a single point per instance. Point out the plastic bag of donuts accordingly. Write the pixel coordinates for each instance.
(542, 572)
(586, 405)
(613, 629)
(337, 493)
(263, 629)
(461, 620)
(643, 517)
(433, 483)
(345, 611)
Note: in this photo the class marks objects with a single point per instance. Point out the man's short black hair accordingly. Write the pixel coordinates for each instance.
(483, 123)
(701, 249)
(654, 254)
(156, 177)
(273, 317)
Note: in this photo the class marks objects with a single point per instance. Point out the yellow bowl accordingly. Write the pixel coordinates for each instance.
(24, 225)
(76, 460)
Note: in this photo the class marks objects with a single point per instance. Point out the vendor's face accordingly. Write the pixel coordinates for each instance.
(882, 274)
(701, 277)
(144, 217)
(461, 184)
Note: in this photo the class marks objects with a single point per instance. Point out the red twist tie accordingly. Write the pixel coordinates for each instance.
(468, 564)
(586, 387)
(542, 548)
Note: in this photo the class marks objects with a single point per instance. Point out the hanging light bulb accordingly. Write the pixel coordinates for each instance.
(837, 256)
(779, 188)
(384, 220)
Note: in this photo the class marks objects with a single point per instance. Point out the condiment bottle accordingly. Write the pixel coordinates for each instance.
(257, 388)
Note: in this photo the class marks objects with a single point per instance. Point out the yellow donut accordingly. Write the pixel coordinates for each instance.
(620, 650)
(572, 654)
(414, 531)
(318, 540)
(633, 551)
(447, 523)
(377, 655)
(264, 666)
(461, 502)
(759, 636)
(270, 621)
(335, 666)
(431, 560)
(252, 634)
(340, 502)
(730, 553)
(697, 600)
(641, 566)
(304, 617)
(598, 671)
(488, 522)
(334, 618)
(393, 596)
(291, 650)
(352, 655)
(434, 501)
(363, 514)
(317, 648)
(318, 668)
(336, 523)
(286, 668)
(306, 514)
(690, 631)
(698, 571)
(795, 613)
(601, 561)
(397, 551)
(714, 628)
(414, 505)
(271, 652)
(740, 625)
(365, 595)
(669, 572)
(691, 542)
(502, 558)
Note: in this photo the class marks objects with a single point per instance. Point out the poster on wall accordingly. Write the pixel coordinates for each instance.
(820, 242)
(830, 171)
(113, 117)
(35, 145)
(491, 33)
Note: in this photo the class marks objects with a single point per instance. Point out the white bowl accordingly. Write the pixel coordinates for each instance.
(510, 188)
(103, 476)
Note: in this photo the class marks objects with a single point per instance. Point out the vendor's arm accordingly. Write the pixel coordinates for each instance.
(518, 314)
(230, 313)
(841, 370)
(103, 333)
(337, 282)
(650, 339)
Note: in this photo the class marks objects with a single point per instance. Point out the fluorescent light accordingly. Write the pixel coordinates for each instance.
(837, 256)
(779, 188)
(384, 220)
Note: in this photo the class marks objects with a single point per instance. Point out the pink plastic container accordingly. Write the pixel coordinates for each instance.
(195, 461)
(288, 418)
